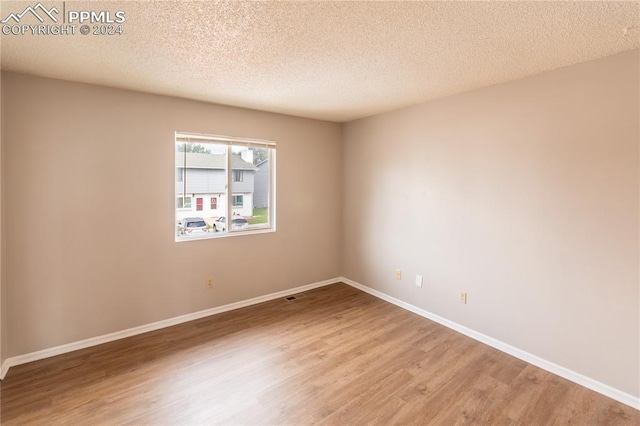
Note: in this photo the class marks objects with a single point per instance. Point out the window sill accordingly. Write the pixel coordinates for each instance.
(217, 235)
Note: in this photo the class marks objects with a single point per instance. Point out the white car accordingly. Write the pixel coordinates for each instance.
(237, 222)
(192, 226)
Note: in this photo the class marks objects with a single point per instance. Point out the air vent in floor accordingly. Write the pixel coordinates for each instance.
(295, 297)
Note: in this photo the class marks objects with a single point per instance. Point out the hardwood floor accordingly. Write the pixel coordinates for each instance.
(335, 356)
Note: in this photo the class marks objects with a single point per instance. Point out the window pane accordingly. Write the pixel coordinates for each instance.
(183, 202)
(201, 169)
(251, 185)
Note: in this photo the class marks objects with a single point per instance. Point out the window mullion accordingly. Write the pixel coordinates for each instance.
(271, 154)
(229, 194)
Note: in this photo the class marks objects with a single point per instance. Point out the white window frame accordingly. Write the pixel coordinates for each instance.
(233, 200)
(229, 141)
(184, 197)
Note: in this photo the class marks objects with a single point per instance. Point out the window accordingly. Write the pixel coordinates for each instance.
(236, 175)
(184, 202)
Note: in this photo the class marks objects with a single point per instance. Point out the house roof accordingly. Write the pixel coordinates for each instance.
(212, 161)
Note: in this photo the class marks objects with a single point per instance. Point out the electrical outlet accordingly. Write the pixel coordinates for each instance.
(462, 297)
(210, 283)
(398, 274)
(418, 280)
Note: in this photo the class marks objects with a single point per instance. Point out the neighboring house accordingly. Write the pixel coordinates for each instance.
(261, 185)
(200, 186)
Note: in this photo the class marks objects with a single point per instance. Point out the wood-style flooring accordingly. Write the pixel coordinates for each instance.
(335, 356)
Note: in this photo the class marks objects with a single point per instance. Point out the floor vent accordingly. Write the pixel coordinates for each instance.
(294, 297)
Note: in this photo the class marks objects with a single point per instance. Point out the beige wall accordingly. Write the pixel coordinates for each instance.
(89, 211)
(525, 195)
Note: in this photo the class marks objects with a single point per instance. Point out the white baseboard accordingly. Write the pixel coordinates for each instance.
(94, 341)
(549, 366)
(4, 369)
(571, 375)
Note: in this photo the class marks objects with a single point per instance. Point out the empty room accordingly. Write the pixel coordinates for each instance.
(320, 212)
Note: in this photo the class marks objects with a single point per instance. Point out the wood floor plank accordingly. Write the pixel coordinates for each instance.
(335, 356)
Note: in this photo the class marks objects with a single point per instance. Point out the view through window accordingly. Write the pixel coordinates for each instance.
(224, 186)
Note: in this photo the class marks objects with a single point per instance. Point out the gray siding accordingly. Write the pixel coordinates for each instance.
(246, 185)
(261, 188)
(212, 181)
(202, 181)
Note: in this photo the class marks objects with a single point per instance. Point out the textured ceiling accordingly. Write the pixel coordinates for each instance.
(328, 60)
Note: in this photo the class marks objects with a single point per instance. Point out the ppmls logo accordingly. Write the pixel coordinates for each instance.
(34, 11)
(40, 20)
